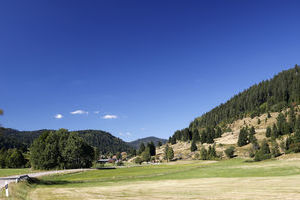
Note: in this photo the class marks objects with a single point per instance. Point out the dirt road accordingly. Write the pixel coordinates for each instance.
(37, 174)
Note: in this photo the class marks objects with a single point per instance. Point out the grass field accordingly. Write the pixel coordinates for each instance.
(10, 172)
(230, 179)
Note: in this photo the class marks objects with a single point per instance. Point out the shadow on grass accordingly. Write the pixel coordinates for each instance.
(105, 168)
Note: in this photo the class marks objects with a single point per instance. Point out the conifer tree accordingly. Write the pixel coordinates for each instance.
(243, 137)
(203, 153)
(142, 148)
(193, 146)
(274, 134)
(292, 119)
(268, 131)
(196, 136)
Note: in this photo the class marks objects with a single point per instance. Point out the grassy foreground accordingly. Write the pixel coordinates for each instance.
(230, 179)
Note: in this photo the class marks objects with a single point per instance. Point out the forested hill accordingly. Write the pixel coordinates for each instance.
(136, 143)
(104, 141)
(282, 91)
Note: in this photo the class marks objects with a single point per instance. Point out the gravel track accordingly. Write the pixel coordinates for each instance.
(38, 174)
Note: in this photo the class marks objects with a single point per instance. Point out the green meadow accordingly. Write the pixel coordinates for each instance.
(175, 180)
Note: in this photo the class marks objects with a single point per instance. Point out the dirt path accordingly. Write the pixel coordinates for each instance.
(37, 174)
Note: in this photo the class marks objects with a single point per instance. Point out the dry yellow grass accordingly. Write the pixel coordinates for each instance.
(205, 188)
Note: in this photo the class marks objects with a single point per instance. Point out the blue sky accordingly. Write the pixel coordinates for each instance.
(136, 68)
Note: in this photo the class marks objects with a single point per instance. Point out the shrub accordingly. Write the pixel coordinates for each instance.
(229, 152)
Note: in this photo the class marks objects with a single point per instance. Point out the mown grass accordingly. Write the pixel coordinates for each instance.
(234, 168)
(229, 168)
(11, 172)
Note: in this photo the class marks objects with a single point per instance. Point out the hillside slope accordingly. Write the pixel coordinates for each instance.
(104, 141)
(136, 143)
(274, 95)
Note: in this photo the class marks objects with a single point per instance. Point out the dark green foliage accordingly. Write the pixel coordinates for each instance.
(193, 146)
(203, 153)
(151, 147)
(142, 148)
(12, 158)
(292, 119)
(60, 149)
(196, 136)
(136, 143)
(264, 152)
(159, 144)
(218, 132)
(269, 115)
(146, 156)
(212, 154)
(268, 96)
(169, 153)
(104, 141)
(274, 133)
(243, 137)
(282, 125)
(138, 160)
(268, 132)
(275, 149)
(230, 152)
(294, 143)
(297, 123)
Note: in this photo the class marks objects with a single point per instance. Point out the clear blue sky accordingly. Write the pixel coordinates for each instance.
(139, 68)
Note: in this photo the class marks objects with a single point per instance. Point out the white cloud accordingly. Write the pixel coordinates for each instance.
(79, 112)
(128, 134)
(121, 134)
(58, 116)
(110, 117)
(97, 112)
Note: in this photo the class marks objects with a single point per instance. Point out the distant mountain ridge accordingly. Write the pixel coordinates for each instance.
(136, 143)
(104, 141)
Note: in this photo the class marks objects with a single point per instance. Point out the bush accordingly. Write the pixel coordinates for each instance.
(259, 156)
(138, 160)
(229, 152)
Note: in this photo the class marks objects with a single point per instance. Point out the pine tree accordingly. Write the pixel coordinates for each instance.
(297, 123)
(281, 124)
(151, 147)
(218, 132)
(265, 147)
(274, 134)
(142, 148)
(196, 136)
(203, 153)
(193, 146)
(159, 144)
(243, 137)
(268, 132)
(292, 119)
(275, 149)
(170, 154)
(212, 152)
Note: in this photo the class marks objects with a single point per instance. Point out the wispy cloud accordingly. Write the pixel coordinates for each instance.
(110, 117)
(125, 134)
(79, 112)
(128, 134)
(58, 116)
(97, 112)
